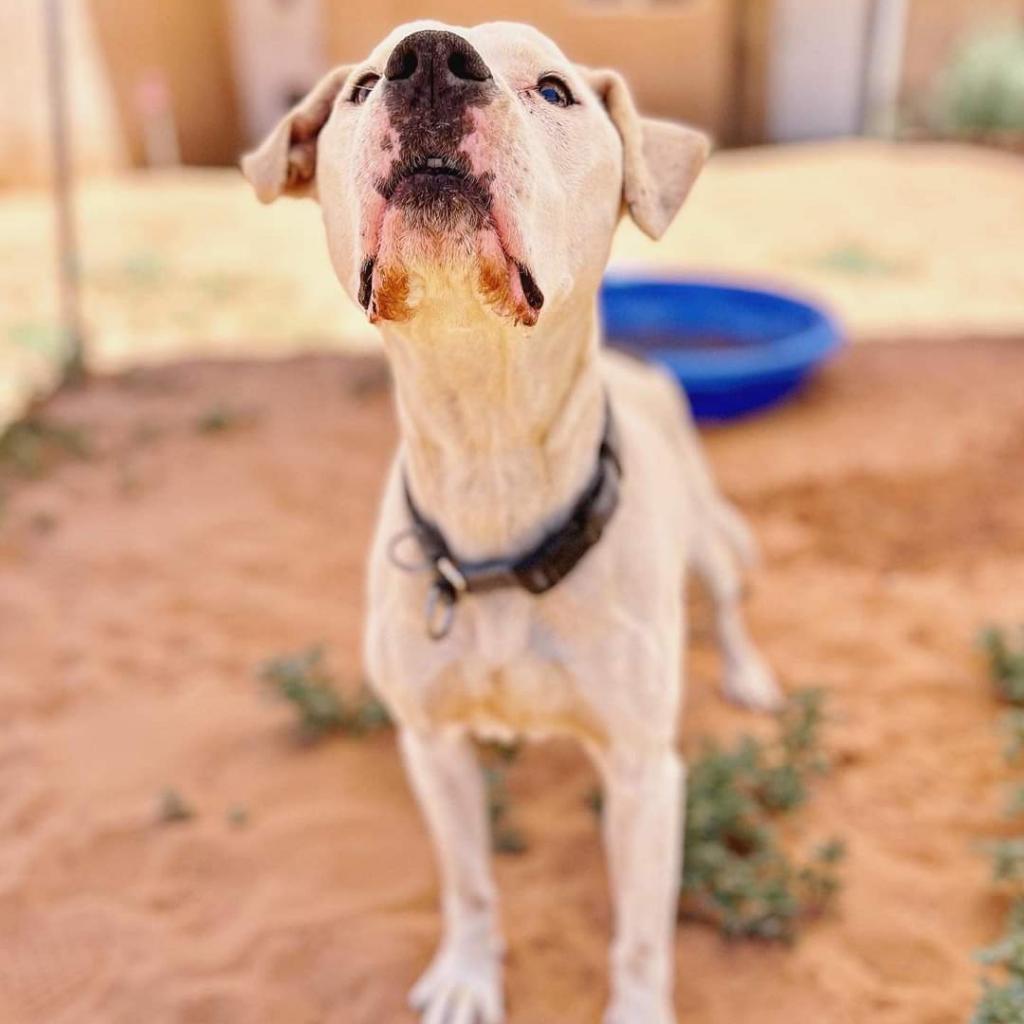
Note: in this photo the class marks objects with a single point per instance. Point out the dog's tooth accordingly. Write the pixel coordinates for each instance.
(435, 161)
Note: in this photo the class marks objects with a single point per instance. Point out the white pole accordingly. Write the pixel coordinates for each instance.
(67, 245)
(883, 67)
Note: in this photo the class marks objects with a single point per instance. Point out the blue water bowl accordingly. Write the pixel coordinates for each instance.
(734, 350)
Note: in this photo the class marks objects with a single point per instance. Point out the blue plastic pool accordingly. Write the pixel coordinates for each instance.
(733, 349)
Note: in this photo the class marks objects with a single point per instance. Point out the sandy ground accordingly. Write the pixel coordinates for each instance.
(898, 239)
(139, 590)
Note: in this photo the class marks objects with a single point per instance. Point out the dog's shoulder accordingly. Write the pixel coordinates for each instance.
(644, 391)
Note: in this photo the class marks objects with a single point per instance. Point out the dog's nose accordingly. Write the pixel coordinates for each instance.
(431, 64)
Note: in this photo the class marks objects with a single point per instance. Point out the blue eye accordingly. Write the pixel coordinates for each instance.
(555, 91)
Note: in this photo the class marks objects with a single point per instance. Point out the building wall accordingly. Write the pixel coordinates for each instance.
(179, 48)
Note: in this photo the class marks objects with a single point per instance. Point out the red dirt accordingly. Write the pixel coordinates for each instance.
(139, 590)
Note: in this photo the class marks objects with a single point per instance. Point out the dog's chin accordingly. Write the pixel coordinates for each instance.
(438, 228)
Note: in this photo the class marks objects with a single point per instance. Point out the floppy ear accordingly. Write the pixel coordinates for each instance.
(285, 162)
(661, 159)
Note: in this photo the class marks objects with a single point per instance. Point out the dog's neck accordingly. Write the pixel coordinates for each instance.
(500, 425)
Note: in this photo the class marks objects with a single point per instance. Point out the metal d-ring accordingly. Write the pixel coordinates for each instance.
(395, 557)
(441, 600)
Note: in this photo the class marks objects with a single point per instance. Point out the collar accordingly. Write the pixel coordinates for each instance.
(537, 570)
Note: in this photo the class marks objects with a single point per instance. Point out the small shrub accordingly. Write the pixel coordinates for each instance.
(506, 837)
(982, 91)
(1002, 996)
(220, 418)
(1003, 1003)
(237, 816)
(1005, 654)
(1008, 860)
(1008, 952)
(1013, 727)
(43, 522)
(303, 680)
(735, 873)
(856, 260)
(174, 808)
(1000, 1004)
(31, 446)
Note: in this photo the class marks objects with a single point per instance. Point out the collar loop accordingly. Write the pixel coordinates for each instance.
(537, 570)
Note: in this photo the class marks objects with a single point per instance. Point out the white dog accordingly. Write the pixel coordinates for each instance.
(547, 498)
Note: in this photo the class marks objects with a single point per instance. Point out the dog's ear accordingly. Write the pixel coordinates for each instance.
(285, 162)
(661, 159)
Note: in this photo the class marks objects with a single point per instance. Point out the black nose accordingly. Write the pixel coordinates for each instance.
(436, 62)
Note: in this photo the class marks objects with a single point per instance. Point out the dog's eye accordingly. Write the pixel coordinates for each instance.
(553, 90)
(362, 89)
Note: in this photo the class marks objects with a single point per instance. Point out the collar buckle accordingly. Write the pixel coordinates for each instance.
(452, 574)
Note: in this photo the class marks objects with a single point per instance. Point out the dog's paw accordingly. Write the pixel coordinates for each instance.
(462, 986)
(752, 683)
(639, 1007)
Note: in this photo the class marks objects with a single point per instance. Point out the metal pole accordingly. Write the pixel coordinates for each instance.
(67, 243)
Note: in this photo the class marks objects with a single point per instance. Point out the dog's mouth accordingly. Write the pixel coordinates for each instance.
(439, 199)
(432, 171)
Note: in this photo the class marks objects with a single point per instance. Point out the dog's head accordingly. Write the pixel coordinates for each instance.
(474, 166)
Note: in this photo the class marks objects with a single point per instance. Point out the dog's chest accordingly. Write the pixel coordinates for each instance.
(510, 679)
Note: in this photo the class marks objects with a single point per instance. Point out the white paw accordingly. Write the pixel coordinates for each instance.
(638, 1007)
(750, 682)
(462, 986)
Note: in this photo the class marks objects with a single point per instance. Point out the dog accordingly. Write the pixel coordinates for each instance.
(547, 497)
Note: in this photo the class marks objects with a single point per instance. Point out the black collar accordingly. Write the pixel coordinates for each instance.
(537, 570)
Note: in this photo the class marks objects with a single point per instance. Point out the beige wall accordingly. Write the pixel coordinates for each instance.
(678, 56)
(684, 59)
(186, 43)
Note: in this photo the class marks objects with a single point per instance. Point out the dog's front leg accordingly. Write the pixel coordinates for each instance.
(463, 985)
(643, 822)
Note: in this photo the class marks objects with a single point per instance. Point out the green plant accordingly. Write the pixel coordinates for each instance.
(1005, 656)
(1013, 728)
(856, 260)
(1000, 1004)
(237, 816)
(982, 91)
(1003, 1003)
(1002, 996)
(735, 872)
(497, 758)
(174, 808)
(43, 521)
(219, 418)
(32, 445)
(303, 680)
(1008, 859)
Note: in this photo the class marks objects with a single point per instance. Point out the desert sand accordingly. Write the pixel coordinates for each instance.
(139, 591)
